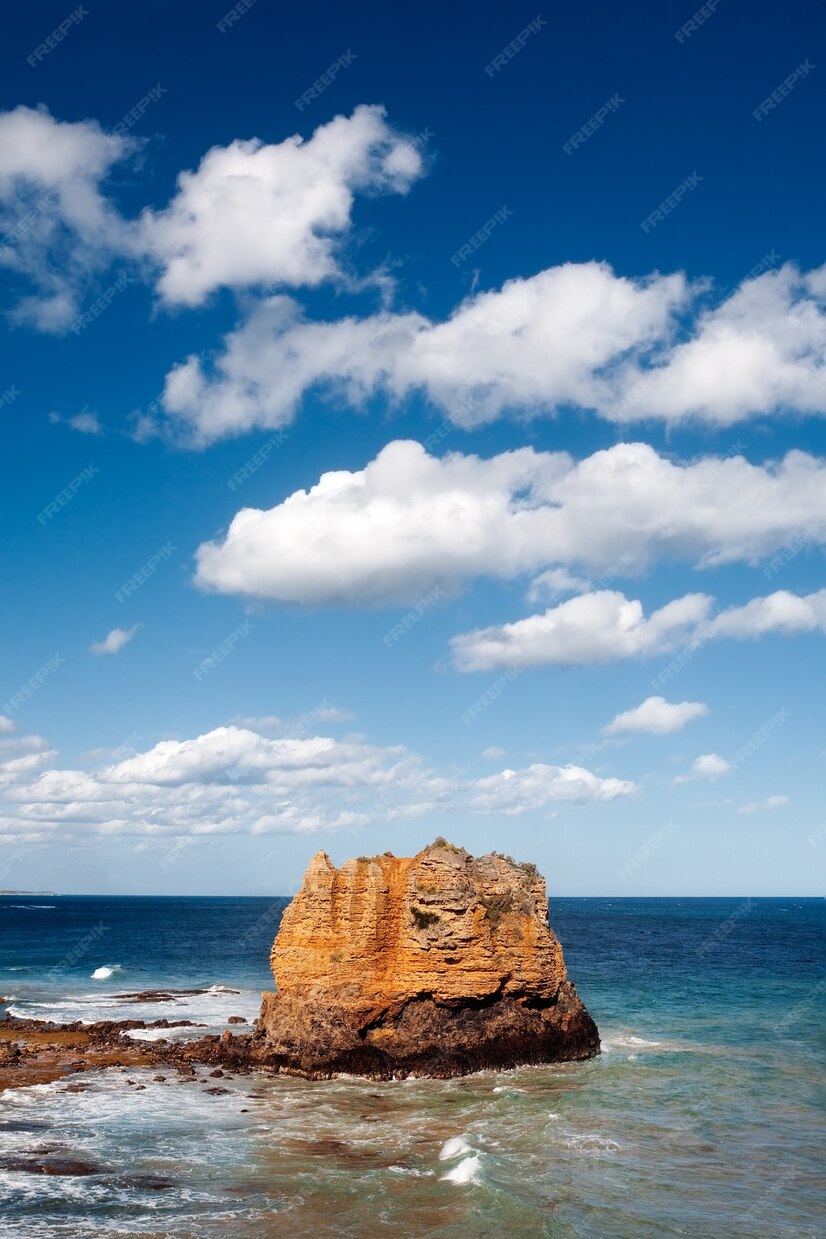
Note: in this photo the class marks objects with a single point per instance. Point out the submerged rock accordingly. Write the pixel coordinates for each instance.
(435, 965)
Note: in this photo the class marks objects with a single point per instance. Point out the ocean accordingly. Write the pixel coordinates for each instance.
(703, 1116)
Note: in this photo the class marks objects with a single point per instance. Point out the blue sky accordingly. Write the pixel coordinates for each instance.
(413, 425)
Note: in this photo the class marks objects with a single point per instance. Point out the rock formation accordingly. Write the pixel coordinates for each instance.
(434, 965)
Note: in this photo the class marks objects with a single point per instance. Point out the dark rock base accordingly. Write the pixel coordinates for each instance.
(422, 1037)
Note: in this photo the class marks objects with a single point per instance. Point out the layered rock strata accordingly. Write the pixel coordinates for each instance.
(435, 965)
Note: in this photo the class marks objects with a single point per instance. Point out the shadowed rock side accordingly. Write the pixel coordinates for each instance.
(435, 965)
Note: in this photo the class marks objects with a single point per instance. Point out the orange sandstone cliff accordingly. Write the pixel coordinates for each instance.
(434, 965)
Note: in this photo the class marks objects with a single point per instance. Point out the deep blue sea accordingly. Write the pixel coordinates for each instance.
(703, 1116)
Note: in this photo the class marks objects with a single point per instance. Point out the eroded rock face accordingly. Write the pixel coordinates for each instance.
(438, 965)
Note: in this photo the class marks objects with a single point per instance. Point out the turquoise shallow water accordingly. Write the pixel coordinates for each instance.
(702, 1117)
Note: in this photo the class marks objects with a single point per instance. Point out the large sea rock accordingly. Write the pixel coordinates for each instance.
(435, 965)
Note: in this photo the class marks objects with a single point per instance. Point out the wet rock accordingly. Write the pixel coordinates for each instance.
(48, 1164)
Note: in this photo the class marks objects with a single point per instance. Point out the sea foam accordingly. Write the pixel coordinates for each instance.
(469, 1170)
(456, 1146)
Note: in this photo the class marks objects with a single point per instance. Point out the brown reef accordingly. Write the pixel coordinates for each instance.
(435, 965)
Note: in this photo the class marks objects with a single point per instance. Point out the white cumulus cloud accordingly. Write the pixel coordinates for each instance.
(533, 344)
(57, 228)
(514, 792)
(573, 335)
(409, 521)
(761, 351)
(707, 766)
(234, 780)
(251, 215)
(781, 612)
(598, 627)
(657, 716)
(606, 626)
(257, 214)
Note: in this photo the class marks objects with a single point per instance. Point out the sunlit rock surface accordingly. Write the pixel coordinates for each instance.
(438, 965)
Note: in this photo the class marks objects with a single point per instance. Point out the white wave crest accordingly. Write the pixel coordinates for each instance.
(469, 1170)
(106, 971)
(456, 1146)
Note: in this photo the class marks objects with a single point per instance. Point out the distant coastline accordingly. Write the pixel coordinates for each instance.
(52, 894)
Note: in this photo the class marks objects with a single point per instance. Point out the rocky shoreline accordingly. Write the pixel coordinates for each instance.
(40, 1052)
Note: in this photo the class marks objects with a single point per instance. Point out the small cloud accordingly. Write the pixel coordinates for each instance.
(657, 716)
(556, 581)
(86, 422)
(143, 427)
(756, 806)
(706, 766)
(114, 641)
(6, 724)
(493, 753)
(268, 722)
(328, 714)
